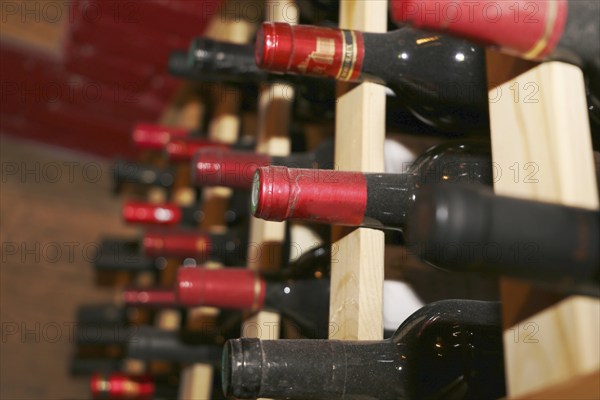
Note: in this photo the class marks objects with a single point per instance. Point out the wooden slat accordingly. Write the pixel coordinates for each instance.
(224, 127)
(542, 150)
(274, 108)
(196, 382)
(356, 305)
(584, 387)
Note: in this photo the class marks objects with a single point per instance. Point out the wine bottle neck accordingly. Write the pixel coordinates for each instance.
(335, 197)
(223, 59)
(305, 302)
(130, 172)
(167, 346)
(321, 157)
(312, 369)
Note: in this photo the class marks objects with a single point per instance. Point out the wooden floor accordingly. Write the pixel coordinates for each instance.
(52, 201)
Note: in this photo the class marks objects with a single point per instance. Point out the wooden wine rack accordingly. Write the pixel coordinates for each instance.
(356, 305)
(541, 146)
(540, 130)
(224, 126)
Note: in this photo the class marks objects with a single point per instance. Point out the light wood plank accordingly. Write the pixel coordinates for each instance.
(584, 387)
(356, 305)
(224, 127)
(542, 150)
(196, 382)
(274, 111)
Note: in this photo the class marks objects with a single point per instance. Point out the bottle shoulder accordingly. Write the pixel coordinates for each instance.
(469, 161)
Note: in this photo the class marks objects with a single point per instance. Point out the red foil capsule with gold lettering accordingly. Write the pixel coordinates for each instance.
(441, 79)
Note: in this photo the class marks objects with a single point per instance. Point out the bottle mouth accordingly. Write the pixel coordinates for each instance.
(242, 368)
(178, 64)
(255, 196)
(201, 54)
(270, 193)
(268, 198)
(226, 369)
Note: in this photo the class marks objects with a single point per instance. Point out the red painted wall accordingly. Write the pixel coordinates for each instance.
(110, 74)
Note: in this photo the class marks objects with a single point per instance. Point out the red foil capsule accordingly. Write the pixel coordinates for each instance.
(149, 297)
(333, 197)
(231, 288)
(145, 213)
(310, 50)
(120, 386)
(176, 243)
(219, 167)
(184, 149)
(150, 136)
(528, 28)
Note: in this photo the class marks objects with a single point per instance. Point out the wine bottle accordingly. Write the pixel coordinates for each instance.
(314, 98)
(124, 254)
(171, 214)
(88, 366)
(137, 212)
(359, 199)
(148, 343)
(105, 314)
(450, 349)
(118, 385)
(178, 150)
(233, 64)
(299, 292)
(536, 30)
(441, 79)
(191, 243)
(141, 174)
(155, 137)
(236, 169)
(229, 247)
(469, 228)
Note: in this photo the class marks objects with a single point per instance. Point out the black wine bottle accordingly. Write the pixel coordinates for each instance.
(450, 349)
(233, 64)
(314, 99)
(469, 228)
(88, 366)
(148, 343)
(141, 174)
(235, 169)
(359, 199)
(537, 30)
(106, 314)
(441, 79)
